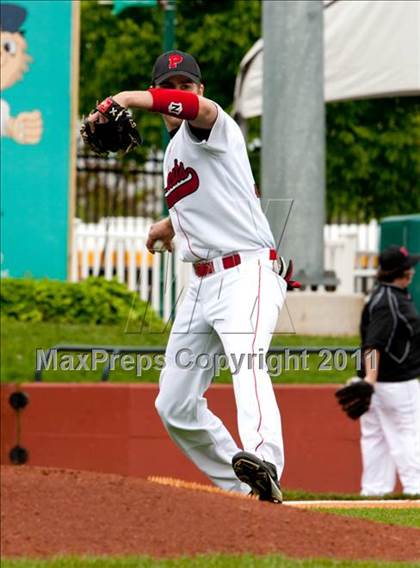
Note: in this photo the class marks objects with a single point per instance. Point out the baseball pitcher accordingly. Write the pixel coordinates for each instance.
(236, 291)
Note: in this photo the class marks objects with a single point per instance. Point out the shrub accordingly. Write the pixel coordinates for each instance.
(94, 300)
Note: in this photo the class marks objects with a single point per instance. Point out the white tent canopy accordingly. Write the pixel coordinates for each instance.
(371, 49)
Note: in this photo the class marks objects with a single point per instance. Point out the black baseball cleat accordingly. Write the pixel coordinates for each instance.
(260, 475)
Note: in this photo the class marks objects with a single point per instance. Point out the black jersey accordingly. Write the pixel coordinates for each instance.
(391, 324)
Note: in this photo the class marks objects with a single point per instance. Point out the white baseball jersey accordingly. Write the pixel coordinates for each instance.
(215, 211)
(211, 193)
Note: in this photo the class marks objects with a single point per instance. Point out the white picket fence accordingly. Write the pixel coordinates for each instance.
(116, 248)
(367, 236)
(352, 252)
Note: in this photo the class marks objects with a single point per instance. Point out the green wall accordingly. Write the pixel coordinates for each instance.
(404, 230)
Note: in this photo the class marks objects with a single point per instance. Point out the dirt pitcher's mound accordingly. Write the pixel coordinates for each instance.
(48, 512)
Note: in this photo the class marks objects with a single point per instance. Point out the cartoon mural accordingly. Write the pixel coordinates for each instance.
(26, 127)
(39, 40)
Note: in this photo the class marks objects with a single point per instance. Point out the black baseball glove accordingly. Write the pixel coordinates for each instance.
(114, 129)
(354, 398)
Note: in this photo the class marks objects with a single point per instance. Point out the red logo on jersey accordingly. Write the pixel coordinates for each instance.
(175, 60)
(181, 182)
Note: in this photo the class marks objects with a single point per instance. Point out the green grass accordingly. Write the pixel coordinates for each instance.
(19, 342)
(218, 561)
(300, 495)
(403, 517)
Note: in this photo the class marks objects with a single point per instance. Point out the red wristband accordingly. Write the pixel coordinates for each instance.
(181, 104)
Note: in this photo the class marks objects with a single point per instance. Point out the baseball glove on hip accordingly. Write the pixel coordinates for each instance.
(114, 130)
(354, 398)
(286, 272)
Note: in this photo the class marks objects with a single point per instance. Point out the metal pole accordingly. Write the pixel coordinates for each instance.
(169, 25)
(293, 150)
(169, 8)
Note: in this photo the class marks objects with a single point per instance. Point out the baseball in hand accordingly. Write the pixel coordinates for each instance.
(159, 246)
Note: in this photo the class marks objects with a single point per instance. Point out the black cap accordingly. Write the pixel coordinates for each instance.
(11, 17)
(175, 63)
(395, 259)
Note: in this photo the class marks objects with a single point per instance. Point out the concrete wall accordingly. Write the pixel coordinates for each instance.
(115, 428)
(321, 313)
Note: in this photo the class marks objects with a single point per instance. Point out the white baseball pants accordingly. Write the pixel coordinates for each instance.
(390, 439)
(232, 311)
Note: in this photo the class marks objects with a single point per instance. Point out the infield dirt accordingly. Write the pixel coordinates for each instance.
(49, 512)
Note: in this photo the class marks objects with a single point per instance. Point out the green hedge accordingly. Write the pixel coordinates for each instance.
(94, 301)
